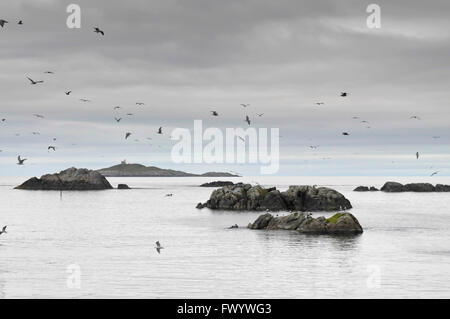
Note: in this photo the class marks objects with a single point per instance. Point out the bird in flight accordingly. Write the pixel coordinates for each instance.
(51, 148)
(245, 105)
(260, 114)
(97, 30)
(85, 100)
(247, 119)
(116, 107)
(20, 160)
(35, 133)
(49, 72)
(127, 135)
(241, 138)
(158, 247)
(34, 82)
(160, 130)
(2, 22)
(129, 114)
(3, 231)
(140, 103)
(117, 119)
(320, 103)
(417, 155)
(214, 113)
(414, 117)
(344, 94)
(313, 147)
(39, 116)
(20, 22)
(345, 133)
(68, 92)
(434, 173)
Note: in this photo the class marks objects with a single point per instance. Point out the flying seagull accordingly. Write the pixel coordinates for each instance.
(345, 133)
(49, 72)
(344, 94)
(434, 173)
(320, 103)
(39, 116)
(414, 117)
(117, 119)
(68, 92)
(129, 114)
(20, 160)
(245, 105)
(127, 135)
(20, 22)
(247, 119)
(160, 130)
(34, 82)
(417, 155)
(214, 113)
(116, 107)
(260, 114)
(2, 22)
(158, 247)
(3, 231)
(97, 30)
(51, 148)
(140, 103)
(85, 100)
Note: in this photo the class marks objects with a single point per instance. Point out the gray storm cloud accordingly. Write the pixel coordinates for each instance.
(185, 58)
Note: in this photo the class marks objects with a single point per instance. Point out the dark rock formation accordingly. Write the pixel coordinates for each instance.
(373, 189)
(69, 179)
(123, 186)
(297, 198)
(340, 223)
(217, 184)
(361, 189)
(394, 187)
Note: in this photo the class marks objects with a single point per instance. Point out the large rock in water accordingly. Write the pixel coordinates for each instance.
(297, 198)
(69, 179)
(394, 187)
(217, 184)
(340, 223)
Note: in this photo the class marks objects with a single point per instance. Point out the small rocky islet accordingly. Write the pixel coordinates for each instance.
(395, 187)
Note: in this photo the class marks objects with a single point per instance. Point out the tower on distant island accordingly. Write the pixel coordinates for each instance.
(123, 162)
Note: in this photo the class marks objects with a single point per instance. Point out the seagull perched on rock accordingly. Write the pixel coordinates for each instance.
(3, 231)
(20, 160)
(97, 30)
(158, 247)
(34, 82)
(2, 22)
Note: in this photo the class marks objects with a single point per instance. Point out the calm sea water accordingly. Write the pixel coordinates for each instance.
(109, 237)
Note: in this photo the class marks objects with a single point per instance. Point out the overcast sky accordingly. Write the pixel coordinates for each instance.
(184, 58)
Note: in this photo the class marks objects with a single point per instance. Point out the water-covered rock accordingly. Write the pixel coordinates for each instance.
(123, 186)
(361, 189)
(340, 223)
(297, 198)
(69, 179)
(217, 184)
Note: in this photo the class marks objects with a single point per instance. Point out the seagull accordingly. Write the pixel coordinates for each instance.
(117, 119)
(140, 103)
(160, 130)
(34, 82)
(20, 160)
(260, 114)
(414, 117)
(3, 120)
(49, 72)
(169, 195)
(241, 138)
(116, 107)
(245, 105)
(68, 92)
(247, 119)
(434, 173)
(2, 22)
(214, 113)
(3, 231)
(85, 100)
(20, 22)
(127, 135)
(417, 155)
(158, 247)
(35, 133)
(39, 116)
(355, 117)
(51, 148)
(314, 147)
(320, 103)
(345, 133)
(129, 114)
(97, 30)
(344, 94)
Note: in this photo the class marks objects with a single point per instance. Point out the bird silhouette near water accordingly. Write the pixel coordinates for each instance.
(158, 247)
(3, 231)
(20, 160)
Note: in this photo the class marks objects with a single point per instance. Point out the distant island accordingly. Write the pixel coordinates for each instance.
(139, 170)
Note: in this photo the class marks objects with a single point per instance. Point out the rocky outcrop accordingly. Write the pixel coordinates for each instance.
(340, 223)
(394, 187)
(257, 198)
(217, 184)
(69, 179)
(365, 189)
(123, 186)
